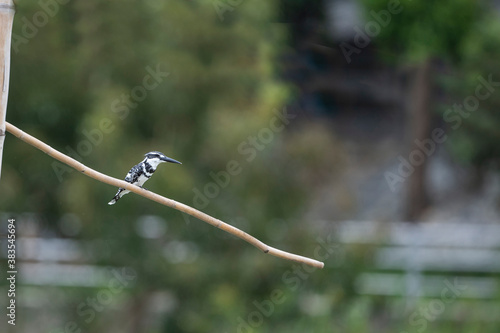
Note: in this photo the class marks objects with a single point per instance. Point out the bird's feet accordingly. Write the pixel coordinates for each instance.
(144, 188)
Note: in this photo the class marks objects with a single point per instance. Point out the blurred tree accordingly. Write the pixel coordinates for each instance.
(418, 33)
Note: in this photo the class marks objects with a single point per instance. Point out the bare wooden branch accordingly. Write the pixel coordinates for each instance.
(6, 20)
(158, 198)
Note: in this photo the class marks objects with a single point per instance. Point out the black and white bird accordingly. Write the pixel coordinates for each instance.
(140, 173)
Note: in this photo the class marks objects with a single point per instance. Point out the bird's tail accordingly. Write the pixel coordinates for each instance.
(116, 197)
(113, 201)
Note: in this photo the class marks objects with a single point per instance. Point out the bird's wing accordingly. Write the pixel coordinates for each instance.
(128, 178)
(133, 172)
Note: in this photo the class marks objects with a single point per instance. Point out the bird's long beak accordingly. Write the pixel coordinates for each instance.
(171, 160)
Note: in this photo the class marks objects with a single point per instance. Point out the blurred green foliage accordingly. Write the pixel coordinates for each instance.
(422, 29)
(475, 135)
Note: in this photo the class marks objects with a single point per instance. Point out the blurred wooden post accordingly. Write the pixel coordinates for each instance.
(6, 19)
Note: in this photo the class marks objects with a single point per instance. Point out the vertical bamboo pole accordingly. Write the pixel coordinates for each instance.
(6, 19)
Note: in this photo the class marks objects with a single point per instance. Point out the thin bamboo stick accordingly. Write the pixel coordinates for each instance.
(6, 20)
(158, 198)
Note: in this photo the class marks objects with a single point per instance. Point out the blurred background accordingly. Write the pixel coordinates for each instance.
(360, 133)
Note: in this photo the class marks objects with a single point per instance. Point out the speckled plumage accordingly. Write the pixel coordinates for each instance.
(141, 172)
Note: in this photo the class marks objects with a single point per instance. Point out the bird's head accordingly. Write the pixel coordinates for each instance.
(155, 158)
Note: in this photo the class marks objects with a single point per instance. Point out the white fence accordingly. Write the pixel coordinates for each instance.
(415, 261)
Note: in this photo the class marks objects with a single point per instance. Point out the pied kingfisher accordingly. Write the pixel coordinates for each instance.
(140, 173)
